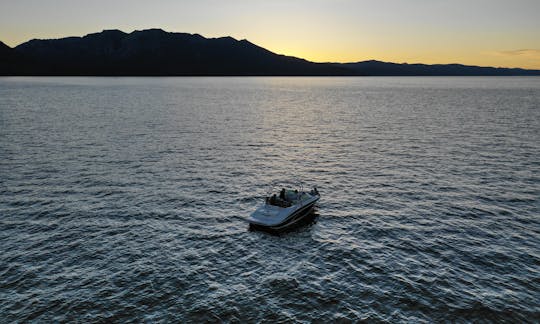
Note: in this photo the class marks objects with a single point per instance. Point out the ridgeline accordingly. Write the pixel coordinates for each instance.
(154, 52)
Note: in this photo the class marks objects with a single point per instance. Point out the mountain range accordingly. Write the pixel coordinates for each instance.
(154, 52)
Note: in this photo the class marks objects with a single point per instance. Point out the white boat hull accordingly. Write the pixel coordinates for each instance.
(280, 218)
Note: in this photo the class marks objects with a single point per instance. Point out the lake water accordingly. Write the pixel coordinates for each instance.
(124, 199)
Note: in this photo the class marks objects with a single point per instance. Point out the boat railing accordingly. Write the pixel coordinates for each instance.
(297, 199)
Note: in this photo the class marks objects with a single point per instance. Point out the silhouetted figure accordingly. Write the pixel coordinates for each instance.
(282, 194)
(273, 200)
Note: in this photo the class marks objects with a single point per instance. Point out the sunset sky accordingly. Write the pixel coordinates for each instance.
(502, 33)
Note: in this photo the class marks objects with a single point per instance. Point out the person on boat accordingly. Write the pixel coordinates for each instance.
(282, 194)
(273, 200)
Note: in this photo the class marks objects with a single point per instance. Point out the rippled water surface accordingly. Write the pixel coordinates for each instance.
(123, 199)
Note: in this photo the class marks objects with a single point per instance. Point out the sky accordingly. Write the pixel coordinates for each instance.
(502, 33)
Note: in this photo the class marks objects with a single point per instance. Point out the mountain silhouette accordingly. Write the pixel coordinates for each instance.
(4, 49)
(154, 52)
(8, 60)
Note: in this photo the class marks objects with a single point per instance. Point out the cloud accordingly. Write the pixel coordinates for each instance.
(519, 52)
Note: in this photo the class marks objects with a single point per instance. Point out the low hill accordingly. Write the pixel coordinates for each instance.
(377, 68)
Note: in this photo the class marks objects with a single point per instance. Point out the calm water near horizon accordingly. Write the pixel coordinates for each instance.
(123, 199)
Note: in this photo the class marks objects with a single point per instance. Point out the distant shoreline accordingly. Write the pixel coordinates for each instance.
(157, 53)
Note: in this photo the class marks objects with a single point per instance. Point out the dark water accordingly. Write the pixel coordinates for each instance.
(123, 199)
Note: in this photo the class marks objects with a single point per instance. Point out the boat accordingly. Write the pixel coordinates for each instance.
(285, 211)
